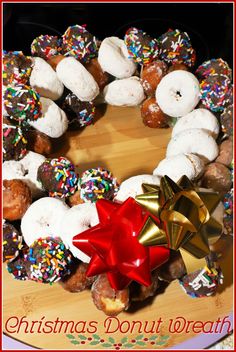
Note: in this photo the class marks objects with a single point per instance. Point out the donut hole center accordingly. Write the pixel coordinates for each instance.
(44, 222)
(26, 172)
(178, 95)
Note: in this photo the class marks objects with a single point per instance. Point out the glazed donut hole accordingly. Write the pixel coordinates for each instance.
(16, 199)
(105, 298)
(152, 115)
(54, 61)
(77, 280)
(177, 67)
(39, 142)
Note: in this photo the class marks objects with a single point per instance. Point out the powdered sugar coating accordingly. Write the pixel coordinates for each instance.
(196, 141)
(124, 92)
(45, 81)
(77, 79)
(53, 122)
(133, 186)
(42, 219)
(25, 170)
(76, 220)
(198, 118)
(179, 165)
(113, 58)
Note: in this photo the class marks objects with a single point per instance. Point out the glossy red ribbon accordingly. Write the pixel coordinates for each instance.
(114, 247)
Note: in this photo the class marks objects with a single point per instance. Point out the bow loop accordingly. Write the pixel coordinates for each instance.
(185, 215)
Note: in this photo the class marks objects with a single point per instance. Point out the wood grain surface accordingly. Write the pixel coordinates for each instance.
(120, 142)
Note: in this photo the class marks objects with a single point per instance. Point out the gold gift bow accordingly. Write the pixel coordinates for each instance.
(186, 221)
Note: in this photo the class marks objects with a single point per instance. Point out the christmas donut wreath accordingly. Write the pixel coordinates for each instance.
(88, 231)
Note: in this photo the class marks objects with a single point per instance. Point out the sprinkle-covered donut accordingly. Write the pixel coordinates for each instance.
(141, 47)
(19, 268)
(97, 184)
(14, 143)
(22, 103)
(16, 68)
(12, 242)
(4, 111)
(175, 48)
(212, 67)
(79, 113)
(226, 119)
(49, 260)
(216, 92)
(46, 46)
(178, 93)
(228, 213)
(58, 177)
(79, 43)
(203, 282)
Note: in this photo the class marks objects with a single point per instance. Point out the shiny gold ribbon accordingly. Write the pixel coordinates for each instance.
(185, 216)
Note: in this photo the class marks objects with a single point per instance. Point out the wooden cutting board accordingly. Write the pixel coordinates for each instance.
(120, 142)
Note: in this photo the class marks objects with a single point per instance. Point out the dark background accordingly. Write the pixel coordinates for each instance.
(209, 25)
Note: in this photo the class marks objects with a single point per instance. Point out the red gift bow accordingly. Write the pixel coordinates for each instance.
(114, 247)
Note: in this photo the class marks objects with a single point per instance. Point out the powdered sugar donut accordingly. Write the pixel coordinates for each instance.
(53, 122)
(133, 186)
(124, 92)
(77, 79)
(26, 170)
(42, 219)
(76, 220)
(12, 169)
(44, 80)
(178, 93)
(113, 58)
(196, 141)
(198, 118)
(178, 165)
